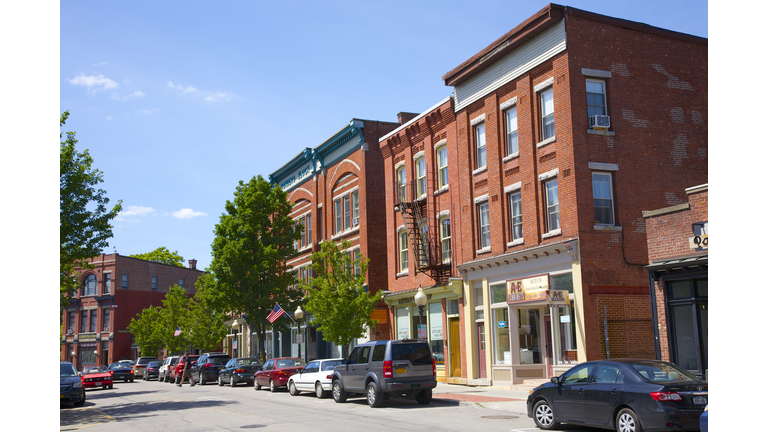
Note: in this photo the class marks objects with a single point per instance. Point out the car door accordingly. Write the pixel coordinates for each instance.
(225, 371)
(363, 367)
(569, 402)
(353, 363)
(262, 376)
(604, 391)
(305, 380)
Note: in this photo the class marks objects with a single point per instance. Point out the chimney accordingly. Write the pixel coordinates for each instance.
(193, 264)
(405, 117)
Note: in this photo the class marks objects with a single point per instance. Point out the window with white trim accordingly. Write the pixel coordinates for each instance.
(511, 127)
(346, 212)
(484, 225)
(105, 320)
(84, 321)
(547, 101)
(89, 285)
(442, 166)
(445, 239)
(92, 327)
(515, 216)
(480, 146)
(403, 248)
(553, 205)
(107, 283)
(421, 177)
(306, 231)
(602, 193)
(596, 101)
(401, 184)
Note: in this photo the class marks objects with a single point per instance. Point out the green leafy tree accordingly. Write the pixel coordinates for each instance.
(147, 331)
(175, 313)
(84, 220)
(206, 320)
(336, 298)
(254, 239)
(163, 256)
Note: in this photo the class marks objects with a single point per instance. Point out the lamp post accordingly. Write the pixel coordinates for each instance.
(299, 314)
(421, 301)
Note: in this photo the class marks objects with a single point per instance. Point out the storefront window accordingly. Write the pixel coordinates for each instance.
(436, 332)
(499, 293)
(562, 282)
(528, 330)
(503, 354)
(567, 332)
(402, 323)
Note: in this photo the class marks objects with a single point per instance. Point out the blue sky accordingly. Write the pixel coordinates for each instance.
(177, 102)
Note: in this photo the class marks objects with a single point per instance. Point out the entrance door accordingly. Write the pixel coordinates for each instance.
(455, 353)
(481, 350)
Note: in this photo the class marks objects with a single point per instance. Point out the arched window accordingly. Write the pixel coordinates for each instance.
(89, 285)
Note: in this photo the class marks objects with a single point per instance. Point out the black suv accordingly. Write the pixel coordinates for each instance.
(387, 368)
(209, 365)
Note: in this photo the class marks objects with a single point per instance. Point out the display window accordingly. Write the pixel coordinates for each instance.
(503, 353)
(528, 332)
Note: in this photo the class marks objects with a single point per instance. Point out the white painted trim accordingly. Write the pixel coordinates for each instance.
(418, 155)
(694, 189)
(596, 73)
(484, 250)
(399, 164)
(443, 214)
(440, 143)
(551, 233)
(549, 174)
(482, 198)
(415, 119)
(400, 228)
(544, 85)
(600, 166)
(477, 120)
(479, 170)
(513, 187)
(549, 140)
(510, 157)
(516, 242)
(441, 190)
(506, 104)
(347, 192)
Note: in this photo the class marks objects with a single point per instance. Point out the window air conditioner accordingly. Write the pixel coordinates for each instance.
(599, 122)
(355, 221)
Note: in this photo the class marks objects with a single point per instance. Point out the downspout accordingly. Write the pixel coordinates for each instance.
(654, 314)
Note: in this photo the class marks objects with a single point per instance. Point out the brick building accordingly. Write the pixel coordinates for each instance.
(95, 322)
(678, 246)
(566, 129)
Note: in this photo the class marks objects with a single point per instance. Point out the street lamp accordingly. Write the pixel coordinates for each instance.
(299, 314)
(421, 301)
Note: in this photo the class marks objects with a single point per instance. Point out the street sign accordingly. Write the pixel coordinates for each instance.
(299, 338)
(422, 331)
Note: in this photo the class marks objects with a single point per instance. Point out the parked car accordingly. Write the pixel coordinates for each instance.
(387, 368)
(239, 370)
(275, 372)
(704, 420)
(121, 371)
(178, 368)
(141, 365)
(71, 387)
(315, 377)
(130, 362)
(209, 365)
(622, 394)
(165, 369)
(152, 370)
(96, 376)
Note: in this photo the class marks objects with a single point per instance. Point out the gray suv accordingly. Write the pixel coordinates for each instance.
(386, 368)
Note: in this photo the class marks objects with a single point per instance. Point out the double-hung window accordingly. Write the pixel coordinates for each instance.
(346, 212)
(306, 231)
(515, 216)
(421, 177)
(71, 328)
(181, 282)
(337, 215)
(107, 283)
(596, 98)
(484, 225)
(442, 167)
(105, 320)
(89, 286)
(401, 184)
(445, 239)
(355, 209)
(511, 120)
(125, 281)
(93, 320)
(553, 205)
(547, 100)
(84, 321)
(402, 237)
(154, 283)
(480, 146)
(602, 193)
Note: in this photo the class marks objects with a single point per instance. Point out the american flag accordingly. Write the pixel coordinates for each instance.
(177, 332)
(276, 313)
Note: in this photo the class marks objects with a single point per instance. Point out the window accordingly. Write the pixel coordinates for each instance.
(107, 283)
(435, 334)
(93, 321)
(480, 146)
(484, 224)
(125, 281)
(356, 261)
(154, 283)
(347, 210)
(83, 321)
(579, 374)
(306, 231)
(502, 347)
(445, 239)
(442, 167)
(89, 285)
(602, 192)
(511, 117)
(547, 114)
(349, 217)
(596, 98)
(515, 216)
(181, 282)
(105, 320)
(401, 184)
(403, 247)
(355, 209)
(71, 328)
(553, 205)
(421, 177)
(337, 215)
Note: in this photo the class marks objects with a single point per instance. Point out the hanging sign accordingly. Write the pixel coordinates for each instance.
(557, 298)
(528, 289)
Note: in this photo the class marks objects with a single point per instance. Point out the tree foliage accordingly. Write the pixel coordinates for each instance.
(146, 331)
(206, 321)
(84, 219)
(336, 298)
(163, 256)
(254, 239)
(175, 314)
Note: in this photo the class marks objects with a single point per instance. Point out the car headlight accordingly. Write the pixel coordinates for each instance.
(77, 384)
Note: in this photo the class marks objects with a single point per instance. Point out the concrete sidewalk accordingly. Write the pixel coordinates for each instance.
(497, 398)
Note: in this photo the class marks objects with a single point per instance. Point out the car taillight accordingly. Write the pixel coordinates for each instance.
(388, 369)
(331, 376)
(241, 371)
(666, 396)
(434, 367)
(111, 372)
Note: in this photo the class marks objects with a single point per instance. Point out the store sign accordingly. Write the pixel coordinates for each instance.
(502, 324)
(528, 289)
(437, 333)
(700, 240)
(557, 298)
(87, 337)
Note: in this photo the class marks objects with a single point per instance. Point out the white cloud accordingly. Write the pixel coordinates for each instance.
(93, 82)
(109, 117)
(208, 96)
(145, 111)
(136, 211)
(187, 213)
(137, 93)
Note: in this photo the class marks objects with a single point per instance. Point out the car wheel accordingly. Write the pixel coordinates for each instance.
(375, 398)
(256, 385)
(110, 386)
(131, 379)
(424, 397)
(200, 379)
(292, 389)
(272, 386)
(627, 421)
(81, 402)
(232, 382)
(339, 395)
(219, 381)
(543, 415)
(319, 391)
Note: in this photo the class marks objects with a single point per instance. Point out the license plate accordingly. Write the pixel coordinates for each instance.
(699, 400)
(400, 370)
(97, 384)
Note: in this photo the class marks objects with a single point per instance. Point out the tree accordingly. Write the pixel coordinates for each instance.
(84, 221)
(206, 321)
(254, 238)
(340, 306)
(163, 256)
(147, 331)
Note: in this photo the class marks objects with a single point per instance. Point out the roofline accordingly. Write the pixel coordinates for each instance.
(415, 119)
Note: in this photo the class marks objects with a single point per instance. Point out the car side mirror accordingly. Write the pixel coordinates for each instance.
(555, 380)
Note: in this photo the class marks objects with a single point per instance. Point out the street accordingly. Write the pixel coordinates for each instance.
(162, 406)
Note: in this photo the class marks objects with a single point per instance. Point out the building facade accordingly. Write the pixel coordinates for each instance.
(567, 128)
(95, 322)
(678, 249)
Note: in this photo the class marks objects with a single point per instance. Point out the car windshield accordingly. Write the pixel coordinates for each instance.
(329, 365)
(94, 369)
(120, 366)
(145, 360)
(154, 363)
(248, 361)
(219, 359)
(286, 363)
(658, 371)
(418, 353)
(68, 371)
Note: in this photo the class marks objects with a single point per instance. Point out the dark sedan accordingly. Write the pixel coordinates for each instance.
(628, 395)
(239, 370)
(71, 386)
(152, 370)
(121, 372)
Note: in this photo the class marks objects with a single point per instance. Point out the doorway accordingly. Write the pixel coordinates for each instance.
(455, 346)
(481, 350)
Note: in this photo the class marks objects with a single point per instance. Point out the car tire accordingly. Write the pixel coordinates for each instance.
(272, 386)
(424, 397)
(201, 380)
(110, 386)
(81, 402)
(627, 421)
(232, 382)
(256, 385)
(544, 416)
(131, 380)
(319, 390)
(292, 389)
(339, 395)
(221, 384)
(373, 393)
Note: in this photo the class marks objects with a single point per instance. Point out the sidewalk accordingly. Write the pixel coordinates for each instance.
(497, 398)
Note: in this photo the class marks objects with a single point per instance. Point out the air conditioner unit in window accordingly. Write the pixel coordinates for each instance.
(599, 122)
(70, 331)
(355, 221)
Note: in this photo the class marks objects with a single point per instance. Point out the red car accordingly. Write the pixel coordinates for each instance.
(96, 376)
(178, 369)
(275, 372)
